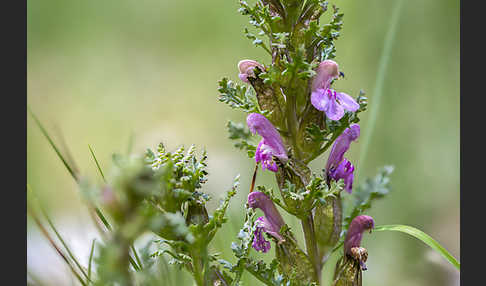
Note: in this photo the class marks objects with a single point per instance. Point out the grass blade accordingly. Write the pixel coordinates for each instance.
(74, 174)
(97, 164)
(379, 83)
(90, 262)
(136, 257)
(425, 238)
(72, 170)
(33, 214)
(58, 235)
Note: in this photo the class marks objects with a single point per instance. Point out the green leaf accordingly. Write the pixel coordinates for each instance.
(369, 191)
(425, 238)
(240, 133)
(237, 96)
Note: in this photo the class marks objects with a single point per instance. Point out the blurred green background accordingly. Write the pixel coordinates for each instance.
(103, 72)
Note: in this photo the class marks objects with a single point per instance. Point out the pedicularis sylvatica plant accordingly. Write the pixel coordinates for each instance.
(293, 115)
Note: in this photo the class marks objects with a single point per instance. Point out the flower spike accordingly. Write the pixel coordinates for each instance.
(326, 99)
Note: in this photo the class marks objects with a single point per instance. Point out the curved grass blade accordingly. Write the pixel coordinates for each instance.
(380, 81)
(425, 238)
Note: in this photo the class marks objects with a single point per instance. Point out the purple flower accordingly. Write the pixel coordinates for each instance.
(246, 68)
(338, 167)
(270, 223)
(271, 143)
(259, 241)
(326, 99)
(358, 225)
(352, 242)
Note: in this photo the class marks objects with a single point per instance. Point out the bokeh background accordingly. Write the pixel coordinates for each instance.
(107, 73)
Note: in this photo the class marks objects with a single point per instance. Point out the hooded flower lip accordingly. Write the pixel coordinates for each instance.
(246, 68)
(270, 223)
(271, 143)
(352, 242)
(358, 225)
(338, 167)
(326, 99)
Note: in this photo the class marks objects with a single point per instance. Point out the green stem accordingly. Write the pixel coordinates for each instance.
(199, 265)
(311, 245)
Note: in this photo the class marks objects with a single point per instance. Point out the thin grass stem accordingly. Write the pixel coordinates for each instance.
(380, 82)
(90, 261)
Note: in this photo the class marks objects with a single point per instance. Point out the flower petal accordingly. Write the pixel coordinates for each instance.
(347, 102)
(320, 99)
(341, 145)
(243, 77)
(259, 241)
(273, 220)
(326, 72)
(334, 111)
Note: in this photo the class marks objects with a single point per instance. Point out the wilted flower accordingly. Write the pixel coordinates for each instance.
(246, 68)
(352, 242)
(271, 143)
(326, 99)
(270, 223)
(338, 167)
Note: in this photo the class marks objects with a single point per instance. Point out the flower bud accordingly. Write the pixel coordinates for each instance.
(328, 224)
(326, 72)
(246, 68)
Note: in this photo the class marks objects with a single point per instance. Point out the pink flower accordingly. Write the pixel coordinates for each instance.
(358, 225)
(326, 99)
(270, 223)
(246, 68)
(338, 167)
(271, 144)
